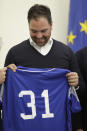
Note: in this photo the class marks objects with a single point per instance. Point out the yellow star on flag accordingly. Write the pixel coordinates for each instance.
(71, 37)
(84, 26)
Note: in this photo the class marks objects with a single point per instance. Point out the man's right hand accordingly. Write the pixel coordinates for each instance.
(2, 74)
(13, 67)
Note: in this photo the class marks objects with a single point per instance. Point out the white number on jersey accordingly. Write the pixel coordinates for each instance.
(33, 107)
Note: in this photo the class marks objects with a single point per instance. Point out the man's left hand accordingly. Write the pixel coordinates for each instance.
(73, 78)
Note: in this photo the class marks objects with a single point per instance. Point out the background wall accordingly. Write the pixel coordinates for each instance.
(14, 25)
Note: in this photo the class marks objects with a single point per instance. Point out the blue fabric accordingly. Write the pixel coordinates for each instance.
(78, 14)
(36, 81)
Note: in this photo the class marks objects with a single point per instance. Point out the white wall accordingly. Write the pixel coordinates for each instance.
(14, 25)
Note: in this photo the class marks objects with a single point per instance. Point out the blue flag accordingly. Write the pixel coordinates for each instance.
(77, 30)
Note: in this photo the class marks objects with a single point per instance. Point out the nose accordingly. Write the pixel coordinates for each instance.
(39, 35)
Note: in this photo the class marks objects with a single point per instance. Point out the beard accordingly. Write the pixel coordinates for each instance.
(41, 41)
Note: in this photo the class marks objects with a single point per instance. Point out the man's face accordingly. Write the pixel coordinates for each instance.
(40, 30)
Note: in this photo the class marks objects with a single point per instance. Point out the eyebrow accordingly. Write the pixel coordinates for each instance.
(40, 30)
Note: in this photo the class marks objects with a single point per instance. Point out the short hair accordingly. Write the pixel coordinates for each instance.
(37, 11)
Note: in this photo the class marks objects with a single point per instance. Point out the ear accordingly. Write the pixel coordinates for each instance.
(51, 23)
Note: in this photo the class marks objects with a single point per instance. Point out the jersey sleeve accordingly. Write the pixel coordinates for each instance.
(1, 93)
(74, 100)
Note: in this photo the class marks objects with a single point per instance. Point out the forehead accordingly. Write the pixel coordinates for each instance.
(39, 23)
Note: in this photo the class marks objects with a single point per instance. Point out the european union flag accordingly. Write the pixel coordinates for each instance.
(77, 30)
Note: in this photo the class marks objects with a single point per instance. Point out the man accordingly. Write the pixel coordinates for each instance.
(82, 60)
(41, 51)
(2, 74)
(2, 79)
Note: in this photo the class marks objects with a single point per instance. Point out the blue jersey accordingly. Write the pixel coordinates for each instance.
(37, 100)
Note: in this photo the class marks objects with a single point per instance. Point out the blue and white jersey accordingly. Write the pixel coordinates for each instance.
(37, 100)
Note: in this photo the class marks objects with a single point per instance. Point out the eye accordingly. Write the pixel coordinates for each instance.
(34, 31)
(43, 31)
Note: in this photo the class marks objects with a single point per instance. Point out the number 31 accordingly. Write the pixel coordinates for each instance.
(33, 107)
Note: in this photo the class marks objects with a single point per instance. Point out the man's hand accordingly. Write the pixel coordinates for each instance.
(13, 67)
(73, 78)
(2, 74)
(79, 130)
